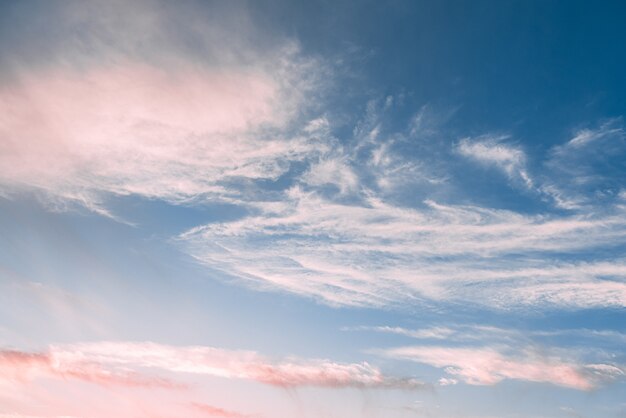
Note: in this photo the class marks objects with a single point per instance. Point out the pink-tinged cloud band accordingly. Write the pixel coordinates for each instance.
(214, 411)
(23, 366)
(488, 366)
(153, 380)
(131, 128)
(125, 107)
(378, 254)
(103, 362)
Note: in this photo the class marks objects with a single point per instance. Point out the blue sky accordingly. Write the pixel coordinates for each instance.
(312, 209)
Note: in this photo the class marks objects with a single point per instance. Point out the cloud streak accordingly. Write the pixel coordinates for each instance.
(214, 411)
(493, 151)
(380, 254)
(23, 366)
(143, 131)
(588, 169)
(197, 128)
(488, 365)
(176, 130)
(102, 362)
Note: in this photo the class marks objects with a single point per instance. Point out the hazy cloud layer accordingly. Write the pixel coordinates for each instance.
(139, 113)
(486, 355)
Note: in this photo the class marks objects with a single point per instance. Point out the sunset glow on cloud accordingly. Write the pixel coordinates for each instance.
(302, 210)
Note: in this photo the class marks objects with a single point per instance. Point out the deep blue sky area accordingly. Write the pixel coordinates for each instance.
(531, 65)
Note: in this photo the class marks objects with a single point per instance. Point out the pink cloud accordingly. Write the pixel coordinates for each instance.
(442, 252)
(132, 128)
(124, 377)
(214, 411)
(233, 364)
(23, 366)
(488, 366)
(120, 363)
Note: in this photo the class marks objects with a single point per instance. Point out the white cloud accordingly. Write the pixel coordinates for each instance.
(116, 122)
(584, 137)
(189, 130)
(490, 365)
(587, 170)
(332, 171)
(493, 151)
(380, 254)
(120, 363)
(437, 333)
(446, 381)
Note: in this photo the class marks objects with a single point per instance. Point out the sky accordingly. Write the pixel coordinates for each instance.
(312, 209)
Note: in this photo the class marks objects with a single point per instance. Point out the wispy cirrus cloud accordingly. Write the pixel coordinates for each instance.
(437, 333)
(491, 365)
(473, 333)
(212, 124)
(494, 151)
(588, 169)
(380, 254)
(486, 355)
(142, 131)
(21, 366)
(332, 171)
(214, 411)
(104, 362)
(129, 379)
(141, 113)
(610, 129)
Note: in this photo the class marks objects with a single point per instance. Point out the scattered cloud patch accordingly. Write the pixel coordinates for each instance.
(214, 411)
(177, 130)
(332, 171)
(488, 366)
(436, 333)
(588, 170)
(495, 152)
(379, 254)
(104, 362)
(611, 128)
(19, 366)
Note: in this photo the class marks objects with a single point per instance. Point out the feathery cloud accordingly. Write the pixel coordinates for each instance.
(115, 122)
(20, 366)
(214, 411)
(587, 170)
(488, 365)
(104, 362)
(377, 254)
(493, 151)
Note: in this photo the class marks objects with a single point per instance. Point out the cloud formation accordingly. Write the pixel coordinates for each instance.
(20, 366)
(486, 355)
(493, 151)
(378, 254)
(488, 365)
(588, 169)
(102, 362)
(214, 411)
(174, 130)
(207, 125)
